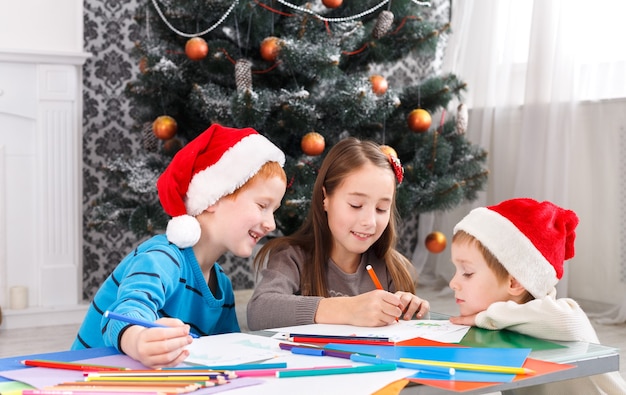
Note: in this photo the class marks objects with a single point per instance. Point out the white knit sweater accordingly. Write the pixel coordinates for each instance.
(552, 319)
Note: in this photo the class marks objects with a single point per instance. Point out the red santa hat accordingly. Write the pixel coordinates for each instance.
(530, 239)
(213, 165)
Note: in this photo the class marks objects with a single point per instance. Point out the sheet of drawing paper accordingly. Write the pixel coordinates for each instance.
(11, 363)
(439, 330)
(231, 349)
(41, 377)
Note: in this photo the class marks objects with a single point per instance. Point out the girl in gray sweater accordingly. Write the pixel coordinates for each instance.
(318, 274)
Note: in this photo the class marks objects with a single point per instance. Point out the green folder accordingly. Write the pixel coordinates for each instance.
(479, 337)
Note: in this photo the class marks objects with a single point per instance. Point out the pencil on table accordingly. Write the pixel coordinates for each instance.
(331, 371)
(472, 366)
(41, 363)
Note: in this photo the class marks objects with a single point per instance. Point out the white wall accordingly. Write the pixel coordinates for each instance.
(596, 194)
(41, 25)
(41, 60)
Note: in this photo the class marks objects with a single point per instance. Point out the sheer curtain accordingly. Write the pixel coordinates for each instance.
(546, 82)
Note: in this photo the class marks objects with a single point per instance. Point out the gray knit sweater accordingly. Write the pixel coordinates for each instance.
(277, 299)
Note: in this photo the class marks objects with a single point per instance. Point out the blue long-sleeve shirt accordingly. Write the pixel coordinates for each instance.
(158, 280)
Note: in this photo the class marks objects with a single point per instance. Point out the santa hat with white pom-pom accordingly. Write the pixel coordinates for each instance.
(531, 239)
(211, 166)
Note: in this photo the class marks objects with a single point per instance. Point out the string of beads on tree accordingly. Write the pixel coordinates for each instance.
(306, 76)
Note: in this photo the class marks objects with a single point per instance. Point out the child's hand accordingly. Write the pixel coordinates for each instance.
(469, 320)
(412, 305)
(157, 347)
(374, 308)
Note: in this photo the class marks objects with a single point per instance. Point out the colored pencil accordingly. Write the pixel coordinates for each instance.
(137, 321)
(341, 337)
(308, 351)
(340, 341)
(87, 392)
(329, 352)
(166, 384)
(472, 366)
(243, 366)
(124, 389)
(439, 370)
(331, 371)
(41, 363)
(156, 373)
(272, 372)
(372, 273)
(151, 378)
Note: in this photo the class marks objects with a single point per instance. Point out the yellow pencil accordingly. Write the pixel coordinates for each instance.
(146, 378)
(472, 366)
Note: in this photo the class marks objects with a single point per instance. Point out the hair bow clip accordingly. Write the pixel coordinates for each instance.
(397, 167)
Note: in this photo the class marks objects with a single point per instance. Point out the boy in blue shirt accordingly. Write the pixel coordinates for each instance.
(222, 190)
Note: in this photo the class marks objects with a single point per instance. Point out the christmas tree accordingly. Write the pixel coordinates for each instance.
(305, 75)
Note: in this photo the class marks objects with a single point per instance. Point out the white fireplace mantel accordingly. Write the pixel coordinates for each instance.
(41, 186)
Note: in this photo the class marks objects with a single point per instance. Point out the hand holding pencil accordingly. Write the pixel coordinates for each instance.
(409, 304)
(391, 305)
(157, 344)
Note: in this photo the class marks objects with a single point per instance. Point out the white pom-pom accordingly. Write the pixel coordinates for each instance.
(184, 231)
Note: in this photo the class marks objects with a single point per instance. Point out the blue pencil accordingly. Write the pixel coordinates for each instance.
(243, 366)
(137, 321)
(330, 371)
(402, 364)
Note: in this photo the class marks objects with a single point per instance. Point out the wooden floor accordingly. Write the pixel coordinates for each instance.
(56, 338)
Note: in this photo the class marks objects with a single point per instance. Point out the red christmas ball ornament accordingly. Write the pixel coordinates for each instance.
(172, 146)
(332, 3)
(419, 120)
(388, 150)
(196, 48)
(164, 127)
(435, 242)
(312, 144)
(270, 47)
(379, 84)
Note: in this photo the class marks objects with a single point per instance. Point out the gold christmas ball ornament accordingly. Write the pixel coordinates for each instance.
(196, 48)
(379, 84)
(388, 150)
(270, 47)
(435, 242)
(312, 144)
(419, 120)
(164, 127)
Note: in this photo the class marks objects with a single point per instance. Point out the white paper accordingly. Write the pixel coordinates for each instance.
(438, 330)
(232, 349)
(237, 348)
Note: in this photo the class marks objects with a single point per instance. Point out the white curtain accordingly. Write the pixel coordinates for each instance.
(546, 82)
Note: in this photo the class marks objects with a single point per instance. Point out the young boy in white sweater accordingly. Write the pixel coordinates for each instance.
(508, 259)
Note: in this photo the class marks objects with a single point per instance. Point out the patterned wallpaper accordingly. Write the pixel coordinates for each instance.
(110, 33)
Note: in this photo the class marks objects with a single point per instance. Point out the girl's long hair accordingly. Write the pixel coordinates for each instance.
(314, 236)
